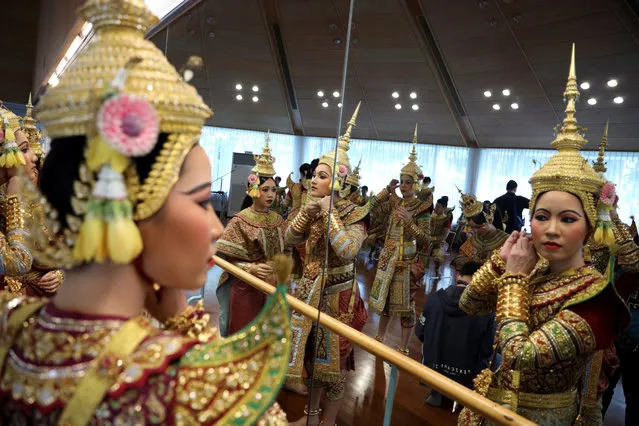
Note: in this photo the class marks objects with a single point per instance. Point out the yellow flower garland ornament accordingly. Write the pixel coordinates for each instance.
(127, 126)
(10, 155)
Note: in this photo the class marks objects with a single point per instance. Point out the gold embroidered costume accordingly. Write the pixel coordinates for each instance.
(69, 368)
(346, 231)
(15, 258)
(401, 262)
(550, 325)
(439, 227)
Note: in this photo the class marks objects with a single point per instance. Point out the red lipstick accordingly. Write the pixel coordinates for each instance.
(551, 245)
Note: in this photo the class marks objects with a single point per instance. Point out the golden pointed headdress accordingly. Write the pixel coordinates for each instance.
(353, 178)
(31, 131)
(471, 207)
(568, 170)
(343, 145)
(264, 162)
(411, 168)
(600, 166)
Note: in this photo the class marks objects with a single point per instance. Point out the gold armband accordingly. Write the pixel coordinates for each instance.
(513, 299)
(333, 223)
(192, 322)
(301, 222)
(14, 215)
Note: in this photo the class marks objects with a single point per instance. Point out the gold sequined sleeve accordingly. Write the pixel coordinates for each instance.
(345, 240)
(627, 253)
(562, 338)
(297, 231)
(480, 296)
(419, 228)
(15, 258)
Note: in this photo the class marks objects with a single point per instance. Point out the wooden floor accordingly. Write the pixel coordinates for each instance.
(364, 400)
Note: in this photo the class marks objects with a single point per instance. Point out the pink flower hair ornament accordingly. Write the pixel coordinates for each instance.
(608, 194)
(129, 124)
(342, 170)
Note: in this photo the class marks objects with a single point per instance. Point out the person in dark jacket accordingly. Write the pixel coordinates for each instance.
(511, 206)
(454, 343)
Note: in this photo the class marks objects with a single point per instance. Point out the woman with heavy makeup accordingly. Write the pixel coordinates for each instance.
(126, 189)
(484, 236)
(331, 287)
(401, 263)
(39, 280)
(554, 312)
(250, 241)
(15, 257)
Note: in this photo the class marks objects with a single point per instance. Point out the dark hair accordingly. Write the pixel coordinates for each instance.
(365, 187)
(426, 179)
(248, 201)
(469, 268)
(479, 218)
(443, 201)
(314, 165)
(305, 171)
(511, 185)
(61, 170)
(277, 178)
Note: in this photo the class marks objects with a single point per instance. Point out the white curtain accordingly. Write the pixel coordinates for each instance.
(498, 166)
(220, 144)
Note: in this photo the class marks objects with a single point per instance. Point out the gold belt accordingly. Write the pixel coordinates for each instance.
(534, 400)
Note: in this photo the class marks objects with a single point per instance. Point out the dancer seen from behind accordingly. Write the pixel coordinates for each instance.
(331, 287)
(250, 241)
(400, 269)
(440, 223)
(126, 191)
(553, 311)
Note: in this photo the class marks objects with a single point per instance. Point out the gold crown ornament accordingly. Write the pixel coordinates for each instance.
(263, 168)
(120, 93)
(470, 205)
(31, 131)
(343, 163)
(411, 168)
(600, 166)
(569, 171)
(10, 154)
(353, 178)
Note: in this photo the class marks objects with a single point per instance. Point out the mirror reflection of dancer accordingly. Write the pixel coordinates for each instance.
(346, 233)
(440, 222)
(126, 188)
(554, 312)
(250, 241)
(401, 264)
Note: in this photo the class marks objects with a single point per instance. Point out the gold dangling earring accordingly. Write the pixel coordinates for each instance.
(156, 290)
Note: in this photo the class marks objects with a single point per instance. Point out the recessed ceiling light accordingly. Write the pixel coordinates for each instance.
(336, 94)
(496, 107)
(320, 93)
(585, 85)
(488, 93)
(413, 95)
(339, 105)
(415, 107)
(592, 101)
(325, 104)
(239, 97)
(398, 106)
(505, 92)
(238, 86)
(618, 100)
(514, 105)
(255, 88)
(395, 95)
(255, 98)
(612, 83)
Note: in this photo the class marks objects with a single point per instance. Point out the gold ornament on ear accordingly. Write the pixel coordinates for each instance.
(10, 154)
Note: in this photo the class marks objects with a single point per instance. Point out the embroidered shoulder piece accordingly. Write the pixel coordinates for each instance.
(570, 288)
(53, 349)
(351, 213)
(260, 220)
(236, 380)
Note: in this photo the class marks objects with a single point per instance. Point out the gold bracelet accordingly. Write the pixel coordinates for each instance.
(192, 322)
(14, 214)
(513, 299)
(499, 266)
(301, 221)
(60, 275)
